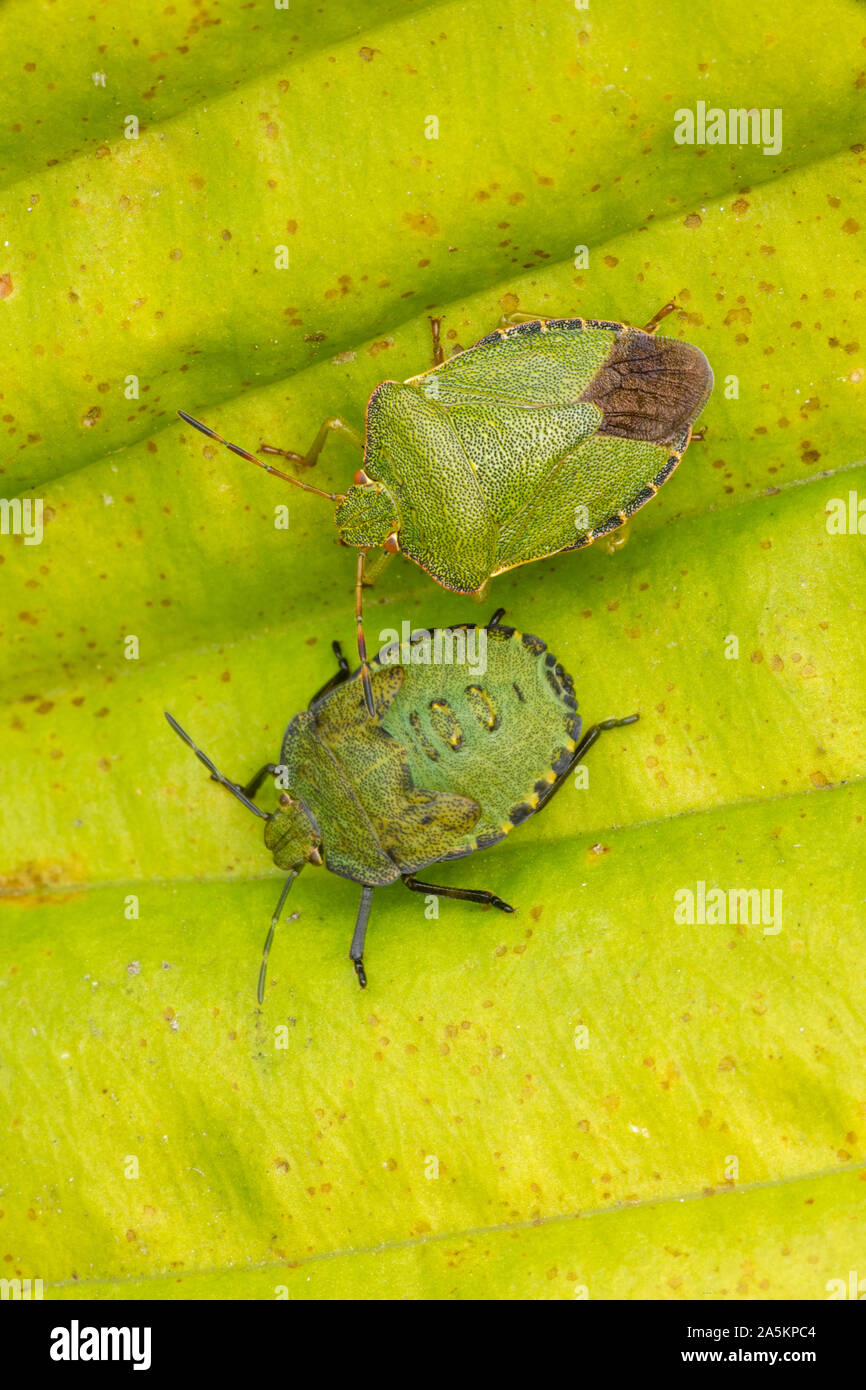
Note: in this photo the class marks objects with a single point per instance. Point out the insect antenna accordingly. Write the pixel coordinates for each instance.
(215, 772)
(260, 992)
(268, 467)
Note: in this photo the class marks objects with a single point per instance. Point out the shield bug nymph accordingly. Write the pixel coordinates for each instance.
(451, 761)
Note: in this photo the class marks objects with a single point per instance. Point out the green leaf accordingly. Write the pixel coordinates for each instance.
(593, 1096)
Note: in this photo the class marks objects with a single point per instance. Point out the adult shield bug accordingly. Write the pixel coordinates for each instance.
(546, 435)
(451, 761)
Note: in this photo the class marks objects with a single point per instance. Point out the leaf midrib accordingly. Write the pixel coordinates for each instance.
(493, 287)
(590, 833)
(223, 93)
(474, 1232)
(26, 677)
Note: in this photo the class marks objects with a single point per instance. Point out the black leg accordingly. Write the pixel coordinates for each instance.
(356, 950)
(469, 895)
(342, 673)
(494, 621)
(594, 733)
(255, 782)
(591, 736)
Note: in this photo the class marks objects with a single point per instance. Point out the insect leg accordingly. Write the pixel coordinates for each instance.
(594, 733)
(341, 675)
(591, 736)
(234, 787)
(469, 895)
(481, 595)
(362, 644)
(494, 620)
(334, 424)
(615, 540)
(356, 950)
(260, 992)
(374, 568)
(438, 349)
(662, 314)
(255, 782)
(251, 458)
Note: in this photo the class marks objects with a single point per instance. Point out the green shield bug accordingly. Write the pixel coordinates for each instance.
(474, 730)
(546, 435)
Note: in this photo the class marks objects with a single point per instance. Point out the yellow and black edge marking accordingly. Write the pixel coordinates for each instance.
(563, 687)
(534, 326)
(614, 522)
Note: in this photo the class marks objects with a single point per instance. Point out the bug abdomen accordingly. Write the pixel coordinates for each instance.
(491, 727)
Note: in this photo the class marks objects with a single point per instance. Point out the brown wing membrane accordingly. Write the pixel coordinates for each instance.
(650, 388)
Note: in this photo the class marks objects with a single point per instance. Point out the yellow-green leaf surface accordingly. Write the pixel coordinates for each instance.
(592, 1097)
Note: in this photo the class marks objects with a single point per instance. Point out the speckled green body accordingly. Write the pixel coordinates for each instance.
(468, 731)
(450, 763)
(481, 463)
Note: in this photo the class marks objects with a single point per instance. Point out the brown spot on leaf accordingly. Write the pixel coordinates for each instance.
(32, 876)
(422, 222)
